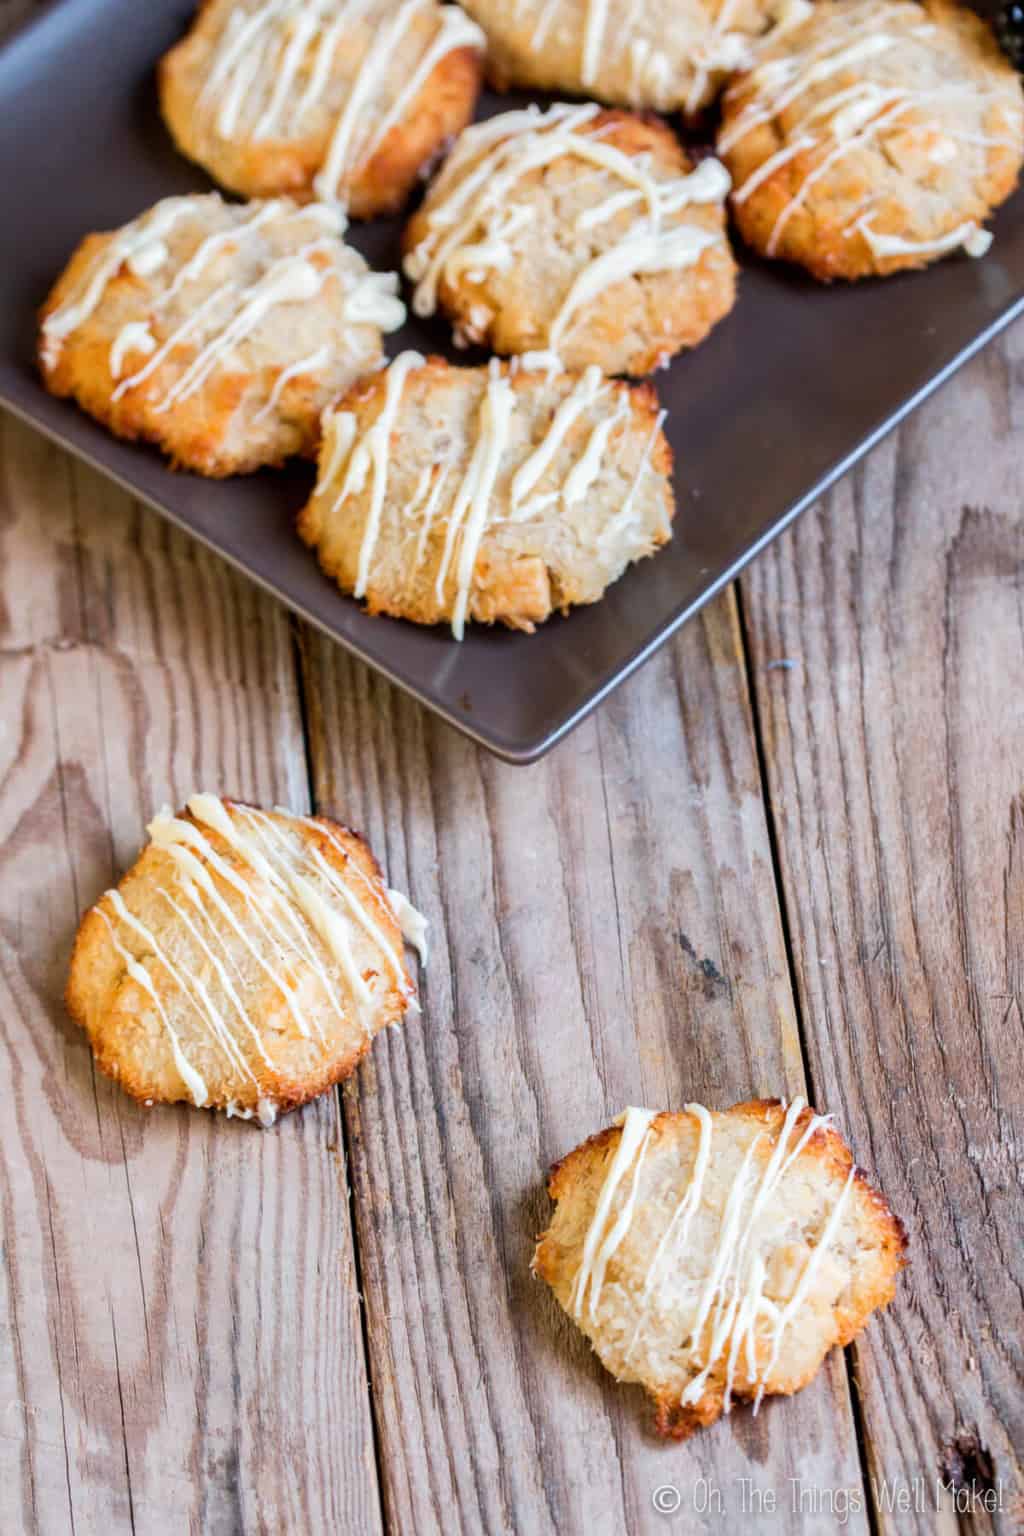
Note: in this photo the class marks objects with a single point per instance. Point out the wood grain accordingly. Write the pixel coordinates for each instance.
(605, 931)
(180, 1334)
(895, 754)
(180, 1340)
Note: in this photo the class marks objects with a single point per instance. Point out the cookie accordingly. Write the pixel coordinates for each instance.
(875, 136)
(715, 1256)
(667, 55)
(496, 493)
(576, 231)
(217, 331)
(244, 963)
(345, 102)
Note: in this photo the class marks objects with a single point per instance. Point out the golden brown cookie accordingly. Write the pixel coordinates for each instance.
(713, 1256)
(875, 136)
(496, 493)
(244, 963)
(576, 231)
(216, 330)
(344, 101)
(669, 55)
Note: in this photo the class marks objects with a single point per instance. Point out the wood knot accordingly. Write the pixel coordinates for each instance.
(712, 983)
(967, 1464)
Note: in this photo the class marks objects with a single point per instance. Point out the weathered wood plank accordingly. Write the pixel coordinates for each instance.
(895, 751)
(605, 931)
(180, 1340)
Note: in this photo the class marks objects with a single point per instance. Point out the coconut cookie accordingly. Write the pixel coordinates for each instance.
(877, 135)
(218, 331)
(668, 55)
(344, 100)
(576, 231)
(496, 493)
(712, 1256)
(244, 963)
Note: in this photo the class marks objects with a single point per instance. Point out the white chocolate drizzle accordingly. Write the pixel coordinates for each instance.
(182, 333)
(301, 918)
(413, 924)
(290, 280)
(229, 314)
(970, 235)
(474, 224)
(588, 466)
(471, 507)
(343, 148)
(439, 474)
(360, 459)
(822, 133)
(373, 450)
(339, 429)
(623, 58)
(625, 515)
(731, 1314)
(133, 337)
(589, 389)
(252, 90)
(192, 1079)
(227, 239)
(593, 36)
(456, 31)
(546, 362)
(373, 300)
(644, 250)
(633, 1139)
(673, 1239)
(720, 50)
(305, 365)
(140, 246)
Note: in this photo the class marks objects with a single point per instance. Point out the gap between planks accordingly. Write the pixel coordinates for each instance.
(856, 1405)
(298, 632)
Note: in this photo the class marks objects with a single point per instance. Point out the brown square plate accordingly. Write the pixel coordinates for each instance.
(786, 395)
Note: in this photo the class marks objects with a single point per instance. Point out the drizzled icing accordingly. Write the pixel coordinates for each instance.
(589, 389)
(311, 364)
(622, 56)
(729, 1315)
(467, 501)
(193, 1080)
(412, 923)
(720, 50)
(975, 241)
(598, 1246)
(373, 451)
(469, 512)
(474, 224)
(140, 247)
(231, 312)
(824, 131)
(588, 466)
(133, 337)
(644, 250)
(625, 514)
(273, 75)
(290, 913)
(291, 280)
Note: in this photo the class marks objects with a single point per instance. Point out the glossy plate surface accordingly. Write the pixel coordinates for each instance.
(786, 394)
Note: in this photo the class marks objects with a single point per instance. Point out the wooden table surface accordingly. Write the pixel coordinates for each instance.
(787, 857)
